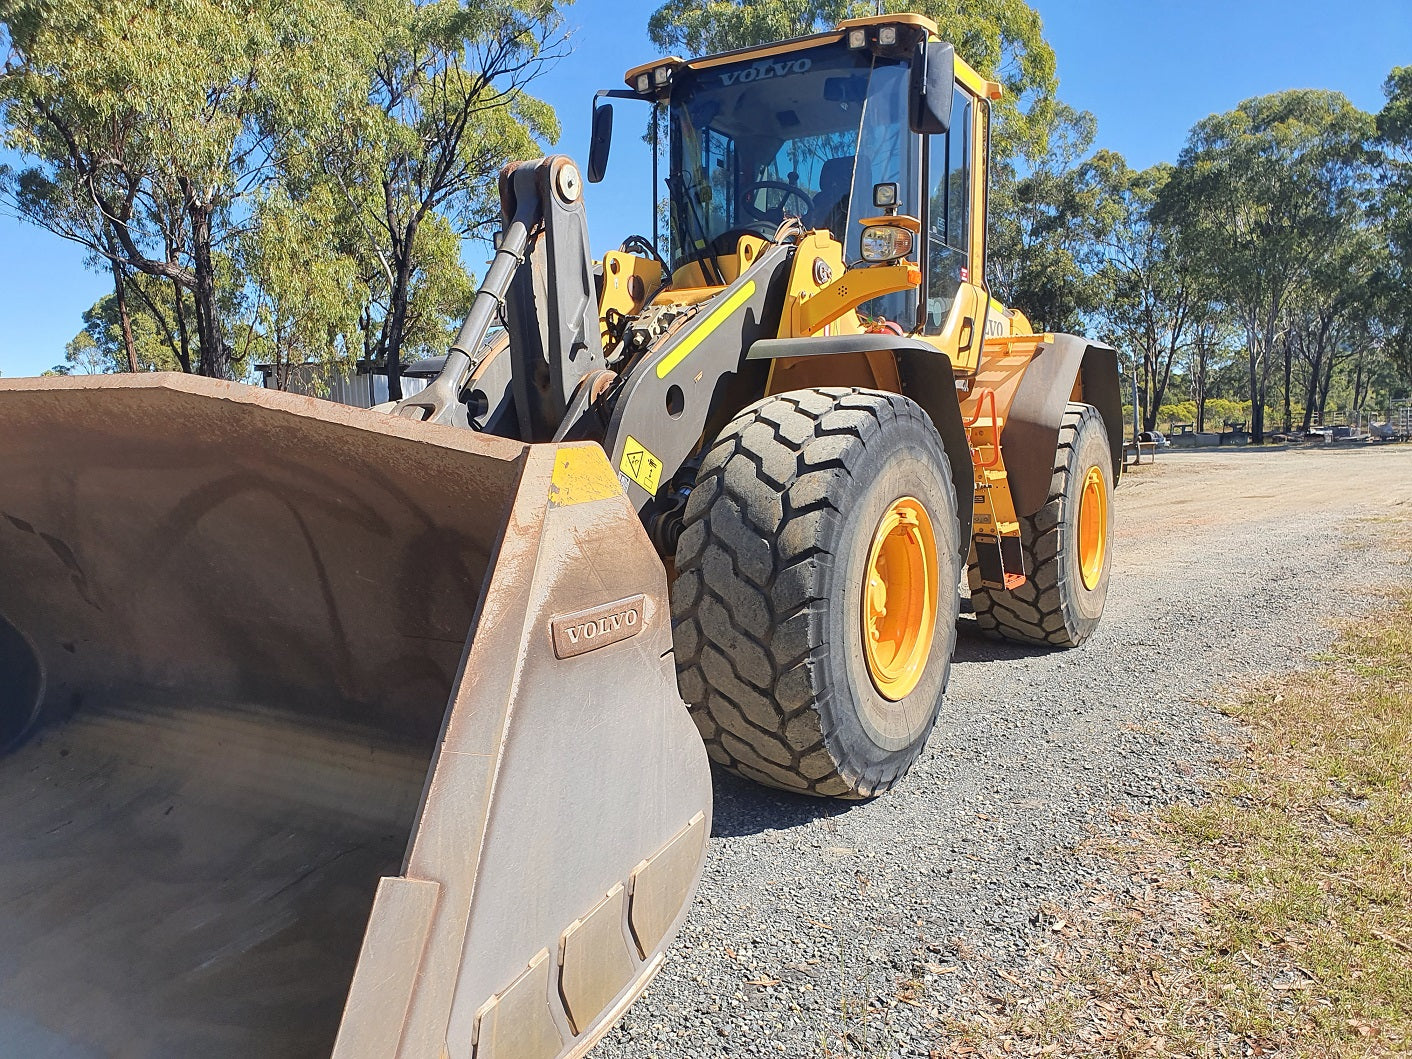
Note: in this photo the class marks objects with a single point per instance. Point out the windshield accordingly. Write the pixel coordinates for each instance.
(805, 134)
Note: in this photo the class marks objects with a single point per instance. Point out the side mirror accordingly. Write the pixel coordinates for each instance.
(600, 141)
(932, 87)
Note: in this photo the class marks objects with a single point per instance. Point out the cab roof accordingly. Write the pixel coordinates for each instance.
(673, 63)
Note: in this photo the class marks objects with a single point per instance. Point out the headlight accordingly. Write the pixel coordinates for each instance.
(857, 38)
(644, 82)
(885, 242)
(887, 36)
(662, 75)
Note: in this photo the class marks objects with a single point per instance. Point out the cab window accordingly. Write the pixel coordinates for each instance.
(949, 212)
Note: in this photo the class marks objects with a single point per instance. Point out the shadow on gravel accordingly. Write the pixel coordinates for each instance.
(745, 808)
(972, 645)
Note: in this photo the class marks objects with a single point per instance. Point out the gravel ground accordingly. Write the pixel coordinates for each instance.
(827, 929)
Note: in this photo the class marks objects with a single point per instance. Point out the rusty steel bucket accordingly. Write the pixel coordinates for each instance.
(325, 732)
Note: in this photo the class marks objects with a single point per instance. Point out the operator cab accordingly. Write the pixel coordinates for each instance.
(810, 132)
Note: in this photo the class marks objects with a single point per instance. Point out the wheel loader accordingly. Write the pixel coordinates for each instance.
(386, 733)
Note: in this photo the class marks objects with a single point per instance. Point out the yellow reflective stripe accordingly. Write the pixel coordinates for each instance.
(700, 334)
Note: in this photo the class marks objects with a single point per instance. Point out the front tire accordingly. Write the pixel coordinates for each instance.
(819, 517)
(1067, 546)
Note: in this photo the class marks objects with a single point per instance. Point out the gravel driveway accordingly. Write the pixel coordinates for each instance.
(827, 929)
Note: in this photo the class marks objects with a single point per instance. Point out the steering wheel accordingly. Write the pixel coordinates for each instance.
(773, 214)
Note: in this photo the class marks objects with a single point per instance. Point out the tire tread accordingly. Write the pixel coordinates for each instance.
(745, 586)
(1035, 613)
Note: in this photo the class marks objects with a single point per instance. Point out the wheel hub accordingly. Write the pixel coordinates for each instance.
(900, 598)
(1093, 527)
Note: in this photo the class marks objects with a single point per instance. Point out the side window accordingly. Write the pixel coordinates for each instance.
(949, 213)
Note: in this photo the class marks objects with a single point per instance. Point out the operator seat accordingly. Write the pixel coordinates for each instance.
(836, 181)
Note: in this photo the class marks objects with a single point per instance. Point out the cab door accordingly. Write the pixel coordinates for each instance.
(954, 300)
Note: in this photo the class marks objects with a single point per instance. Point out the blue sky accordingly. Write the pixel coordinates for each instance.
(1147, 70)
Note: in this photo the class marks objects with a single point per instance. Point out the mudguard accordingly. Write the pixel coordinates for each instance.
(926, 377)
(1031, 432)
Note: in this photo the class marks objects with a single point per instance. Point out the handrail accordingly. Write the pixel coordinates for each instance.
(986, 393)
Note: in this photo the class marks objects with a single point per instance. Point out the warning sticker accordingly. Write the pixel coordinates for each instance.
(640, 465)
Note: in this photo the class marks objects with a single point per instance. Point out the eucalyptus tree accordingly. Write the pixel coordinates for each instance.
(1331, 306)
(1394, 208)
(110, 343)
(1044, 226)
(445, 106)
(1262, 194)
(164, 120)
(302, 306)
(1150, 292)
(1207, 353)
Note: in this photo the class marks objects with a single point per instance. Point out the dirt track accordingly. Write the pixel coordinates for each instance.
(824, 929)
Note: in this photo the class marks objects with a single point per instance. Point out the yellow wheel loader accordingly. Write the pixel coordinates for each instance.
(328, 730)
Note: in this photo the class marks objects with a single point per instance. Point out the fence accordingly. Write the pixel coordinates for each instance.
(363, 387)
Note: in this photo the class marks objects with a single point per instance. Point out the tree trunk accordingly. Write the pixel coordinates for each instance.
(1289, 354)
(1257, 397)
(1149, 386)
(397, 307)
(1311, 392)
(120, 290)
(1162, 377)
(1199, 384)
(1324, 391)
(214, 356)
(183, 334)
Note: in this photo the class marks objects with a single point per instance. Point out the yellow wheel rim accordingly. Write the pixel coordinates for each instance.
(899, 598)
(1093, 527)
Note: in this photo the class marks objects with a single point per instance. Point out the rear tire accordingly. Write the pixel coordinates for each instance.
(794, 503)
(1062, 599)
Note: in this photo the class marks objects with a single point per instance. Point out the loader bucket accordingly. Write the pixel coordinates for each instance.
(325, 732)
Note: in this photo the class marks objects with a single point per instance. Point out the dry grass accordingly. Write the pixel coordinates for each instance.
(1273, 919)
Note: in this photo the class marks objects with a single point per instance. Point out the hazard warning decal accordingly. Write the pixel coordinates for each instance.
(640, 465)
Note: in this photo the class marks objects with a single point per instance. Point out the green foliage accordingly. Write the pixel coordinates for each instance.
(305, 303)
(1264, 196)
(1393, 278)
(298, 173)
(1219, 411)
(1395, 119)
(162, 120)
(1002, 39)
(1043, 226)
(99, 348)
(411, 168)
(1150, 294)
